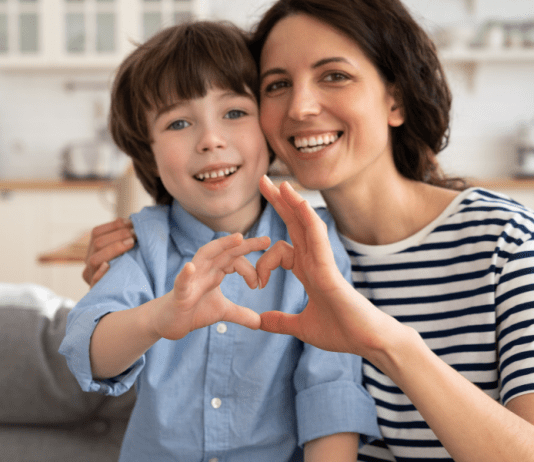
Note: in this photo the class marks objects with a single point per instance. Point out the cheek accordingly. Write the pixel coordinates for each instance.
(268, 122)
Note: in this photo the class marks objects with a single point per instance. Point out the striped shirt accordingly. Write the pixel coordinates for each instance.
(466, 283)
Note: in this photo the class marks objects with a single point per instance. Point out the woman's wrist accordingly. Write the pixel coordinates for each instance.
(397, 350)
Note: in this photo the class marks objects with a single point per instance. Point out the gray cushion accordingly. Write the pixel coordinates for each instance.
(44, 414)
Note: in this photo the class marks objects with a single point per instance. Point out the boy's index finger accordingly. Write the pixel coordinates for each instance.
(235, 245)
(252, 244)
(216, 247)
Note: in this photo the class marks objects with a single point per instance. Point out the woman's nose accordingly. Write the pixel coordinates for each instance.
(211, 139)
(303, 103)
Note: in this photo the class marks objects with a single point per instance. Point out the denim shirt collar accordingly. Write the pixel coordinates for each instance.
(189, 234)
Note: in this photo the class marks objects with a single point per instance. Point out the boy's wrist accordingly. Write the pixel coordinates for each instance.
(148, 319)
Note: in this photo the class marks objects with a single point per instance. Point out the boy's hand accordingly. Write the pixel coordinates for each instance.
(337, 317)
(197, 301)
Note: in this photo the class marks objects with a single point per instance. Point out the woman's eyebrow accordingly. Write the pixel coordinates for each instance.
(334, 59)
(274, 71)
(321, 62)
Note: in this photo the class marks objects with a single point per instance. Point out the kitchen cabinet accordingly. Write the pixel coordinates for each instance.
(95, 34)
(489, 43)
(39, 217)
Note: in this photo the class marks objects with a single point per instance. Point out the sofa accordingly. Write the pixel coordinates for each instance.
(44, 414)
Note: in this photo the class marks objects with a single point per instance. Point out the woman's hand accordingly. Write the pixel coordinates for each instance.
(108, 241)
(197, 300)
(337, 317)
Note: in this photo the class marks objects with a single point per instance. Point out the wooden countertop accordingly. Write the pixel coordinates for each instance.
(54, 185)
(72, 252)
(75, 251)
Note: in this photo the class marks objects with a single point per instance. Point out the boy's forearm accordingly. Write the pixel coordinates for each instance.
(119, 339)
(340, 447)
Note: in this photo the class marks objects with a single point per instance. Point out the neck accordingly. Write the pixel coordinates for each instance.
(240, 221)
(379, 213)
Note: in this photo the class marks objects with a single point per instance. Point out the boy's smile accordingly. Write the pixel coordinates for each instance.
(217, 174)
(211, 153)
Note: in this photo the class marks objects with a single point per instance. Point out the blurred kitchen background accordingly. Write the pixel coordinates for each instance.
(60, 174)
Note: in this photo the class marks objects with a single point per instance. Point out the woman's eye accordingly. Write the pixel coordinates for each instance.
(179, 125)
(274, 86)
(335, 77)
(235, 114)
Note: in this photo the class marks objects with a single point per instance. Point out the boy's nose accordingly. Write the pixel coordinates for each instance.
(303, 103)
(210, 140)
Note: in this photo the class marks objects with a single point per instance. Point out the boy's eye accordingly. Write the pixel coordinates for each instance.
(235, 114)
(179, 125)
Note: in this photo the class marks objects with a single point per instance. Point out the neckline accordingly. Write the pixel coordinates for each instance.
(411, 241)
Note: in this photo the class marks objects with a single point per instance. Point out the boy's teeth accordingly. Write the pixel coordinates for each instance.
(216, 173)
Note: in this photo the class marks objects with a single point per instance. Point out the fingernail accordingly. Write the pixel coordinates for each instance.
(128, 242)
(260, 285)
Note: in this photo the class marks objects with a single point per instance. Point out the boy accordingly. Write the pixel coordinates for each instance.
(183, 109)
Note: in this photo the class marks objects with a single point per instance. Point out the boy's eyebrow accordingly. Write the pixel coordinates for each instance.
(321, 62)
(168, 108)
(233, 94)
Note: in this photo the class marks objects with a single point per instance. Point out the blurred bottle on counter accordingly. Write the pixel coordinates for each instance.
(95, 159)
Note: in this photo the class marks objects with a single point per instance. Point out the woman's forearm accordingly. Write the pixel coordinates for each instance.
(471, 425)
(119, 339)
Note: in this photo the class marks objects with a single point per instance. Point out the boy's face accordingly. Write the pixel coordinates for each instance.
(211, 153)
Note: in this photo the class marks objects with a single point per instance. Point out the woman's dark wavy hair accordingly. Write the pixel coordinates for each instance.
(404, 56)
(180, 62)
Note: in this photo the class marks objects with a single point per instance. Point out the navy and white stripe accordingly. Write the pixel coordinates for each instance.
(466, 284)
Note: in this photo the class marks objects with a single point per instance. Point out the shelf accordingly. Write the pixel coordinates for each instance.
(504, 55)
(37, 64)
(505, 183)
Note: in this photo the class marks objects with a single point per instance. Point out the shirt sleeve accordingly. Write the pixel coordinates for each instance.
(124, 286)
(515, 323)
(330, 395)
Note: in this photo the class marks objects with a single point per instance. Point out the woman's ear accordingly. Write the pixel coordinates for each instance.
(396, 111)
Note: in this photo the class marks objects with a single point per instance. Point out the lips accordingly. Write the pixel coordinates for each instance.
(216, 173)
(314, 143)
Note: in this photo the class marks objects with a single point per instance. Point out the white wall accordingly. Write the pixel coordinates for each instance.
(38, 117)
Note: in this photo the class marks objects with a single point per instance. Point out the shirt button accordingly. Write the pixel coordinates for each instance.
(216, 403)
(214, 459)
(222, 328)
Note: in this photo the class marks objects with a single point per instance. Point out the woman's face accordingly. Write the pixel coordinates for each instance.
(325, 110)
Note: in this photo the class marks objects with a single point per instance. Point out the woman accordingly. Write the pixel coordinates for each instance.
(354, 101)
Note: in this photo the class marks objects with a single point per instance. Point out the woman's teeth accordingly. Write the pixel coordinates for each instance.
(216, 173)
(314, 143)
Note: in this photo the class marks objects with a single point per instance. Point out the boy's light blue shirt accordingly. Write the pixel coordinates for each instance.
(223, 391)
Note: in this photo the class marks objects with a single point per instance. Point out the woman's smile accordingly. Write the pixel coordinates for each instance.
(314, 143)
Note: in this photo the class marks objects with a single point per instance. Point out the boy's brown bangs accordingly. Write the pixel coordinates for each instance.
(190, 74)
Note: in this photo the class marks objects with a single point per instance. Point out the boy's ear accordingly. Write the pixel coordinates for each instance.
(396, 111)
